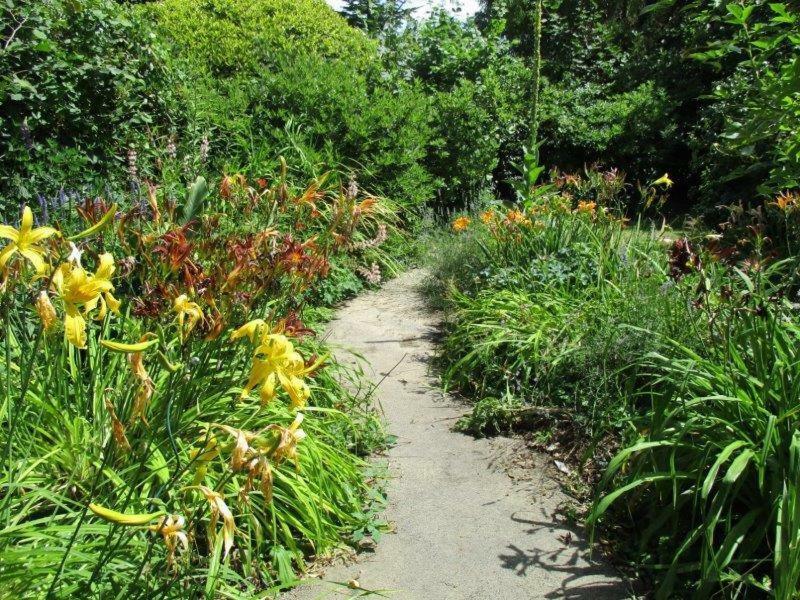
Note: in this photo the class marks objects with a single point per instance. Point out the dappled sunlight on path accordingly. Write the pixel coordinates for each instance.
(464, 528)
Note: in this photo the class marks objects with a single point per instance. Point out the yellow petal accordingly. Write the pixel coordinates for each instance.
(103, 309)
(260, 370)
(112, 302)
(39, 234)
(267, 389)
(6, 254)
(9, 233)
(106, 267)
(27, 223)
(250, 330)
(296, 388)
(34, 256)
(75, 327)
(179, 304)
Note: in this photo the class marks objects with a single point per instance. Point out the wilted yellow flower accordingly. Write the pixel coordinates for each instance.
(586, 207)
(77, 288)
(189, 313)
(249, 458)
(117, 428)
(289, 438)
(461, 223)
(664, 180)
(220, 509)
(145, 390)
(46, 311)
(171, 528)
(25, 241)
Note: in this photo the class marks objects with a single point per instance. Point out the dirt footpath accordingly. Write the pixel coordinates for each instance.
(464, 528)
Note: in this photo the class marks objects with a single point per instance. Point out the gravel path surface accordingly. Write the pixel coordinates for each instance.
(465, 528)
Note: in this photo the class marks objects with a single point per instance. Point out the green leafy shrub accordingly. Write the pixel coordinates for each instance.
(588, 123)
(479, 101)
(757, 103)
(228, 38)
(79, 81)
(540, 300)
(277, 76)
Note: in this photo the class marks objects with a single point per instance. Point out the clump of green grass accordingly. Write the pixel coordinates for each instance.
(632, 340)
(713, 466)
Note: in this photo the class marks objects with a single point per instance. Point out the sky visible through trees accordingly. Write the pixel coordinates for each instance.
(468, 7)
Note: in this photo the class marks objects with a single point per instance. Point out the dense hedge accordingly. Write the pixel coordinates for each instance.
(230, 37)
(79, 79)
(93, 88)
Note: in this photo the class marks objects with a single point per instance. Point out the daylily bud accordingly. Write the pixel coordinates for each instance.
(46, 311)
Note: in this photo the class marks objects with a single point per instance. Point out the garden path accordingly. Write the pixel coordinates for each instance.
(465, 528)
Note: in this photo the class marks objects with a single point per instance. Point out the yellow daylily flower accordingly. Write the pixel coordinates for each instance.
(276, 361)
(664, 180)
(25, 240)
(77, 288)
(294, 369)
(189, 314)
(252, 330)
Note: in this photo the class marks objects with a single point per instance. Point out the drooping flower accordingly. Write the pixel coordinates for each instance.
(220, 509)
(189, 314)
(586, 207)
(251, 459)
(77, 289)
(117, 428)
(289, 438)
(25, 241)
(461, 224)
(171, 528)
(145, 389)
